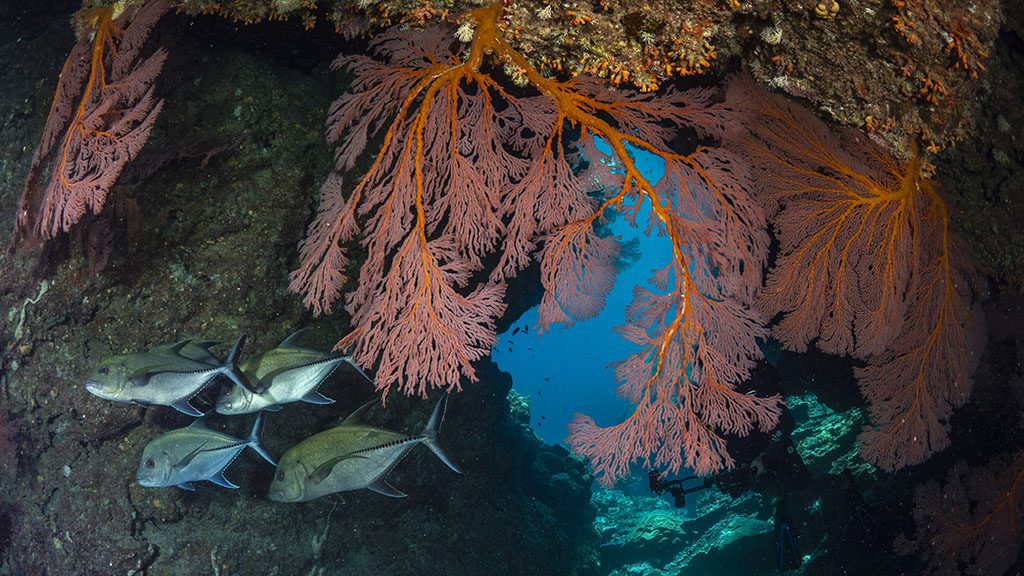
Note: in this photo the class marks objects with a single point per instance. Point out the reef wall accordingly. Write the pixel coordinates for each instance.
(230, 182)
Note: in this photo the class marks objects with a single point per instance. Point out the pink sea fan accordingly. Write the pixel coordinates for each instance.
(867, 266)
(102, 114)
(474, 181)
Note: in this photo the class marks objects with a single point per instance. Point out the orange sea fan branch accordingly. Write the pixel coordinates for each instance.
(879, 275)
(468, 169)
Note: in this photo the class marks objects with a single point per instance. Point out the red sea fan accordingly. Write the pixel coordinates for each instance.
(470, 173)
(102, 114)
(867, 266)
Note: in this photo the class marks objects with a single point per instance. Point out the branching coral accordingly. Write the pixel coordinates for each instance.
(101, 116)
(971, 524)
(468, 170)
(867, 266)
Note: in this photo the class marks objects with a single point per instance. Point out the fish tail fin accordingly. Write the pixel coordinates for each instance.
(253, 441)
(430, 433)
(231, 370)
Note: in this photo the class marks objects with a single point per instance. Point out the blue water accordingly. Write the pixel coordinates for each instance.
(567, 370)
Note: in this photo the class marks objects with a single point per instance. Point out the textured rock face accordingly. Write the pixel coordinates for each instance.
(902, 68)
(212, 259)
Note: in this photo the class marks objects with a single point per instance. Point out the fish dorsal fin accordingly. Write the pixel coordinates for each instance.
(356, 417)
(220, 480)
(170, 348)
(200, 351)
(205, 344)
(291, 341)
(381, 486)
(324, 470)
(199, 424)
(175, 347)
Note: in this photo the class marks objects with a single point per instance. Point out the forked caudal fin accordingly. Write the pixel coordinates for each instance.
(253, 441)
(429, 433)
(231, 370)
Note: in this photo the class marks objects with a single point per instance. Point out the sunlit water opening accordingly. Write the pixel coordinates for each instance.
(567, 370)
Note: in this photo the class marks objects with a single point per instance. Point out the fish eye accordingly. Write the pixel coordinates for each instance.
(103, 370)
(150, 463)
(280, 474)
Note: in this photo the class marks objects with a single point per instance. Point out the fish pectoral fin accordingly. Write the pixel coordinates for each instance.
(187, 458)
(292, 341)
(140, 375)
(220, 480)
(381, 486)
(324, 470)
(315, 397)
(185, 407)
(187, 486)
(272, 408)
(273, 375)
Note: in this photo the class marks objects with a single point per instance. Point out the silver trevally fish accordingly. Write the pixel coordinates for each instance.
(288, 373)
(349, 457)
(167, 375)
(193, 453)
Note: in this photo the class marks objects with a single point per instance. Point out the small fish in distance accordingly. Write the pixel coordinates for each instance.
(166, 375)
(350, 456)
(288, 373)
(193, 453)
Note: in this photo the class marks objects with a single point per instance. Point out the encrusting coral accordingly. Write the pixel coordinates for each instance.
(903, 68)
